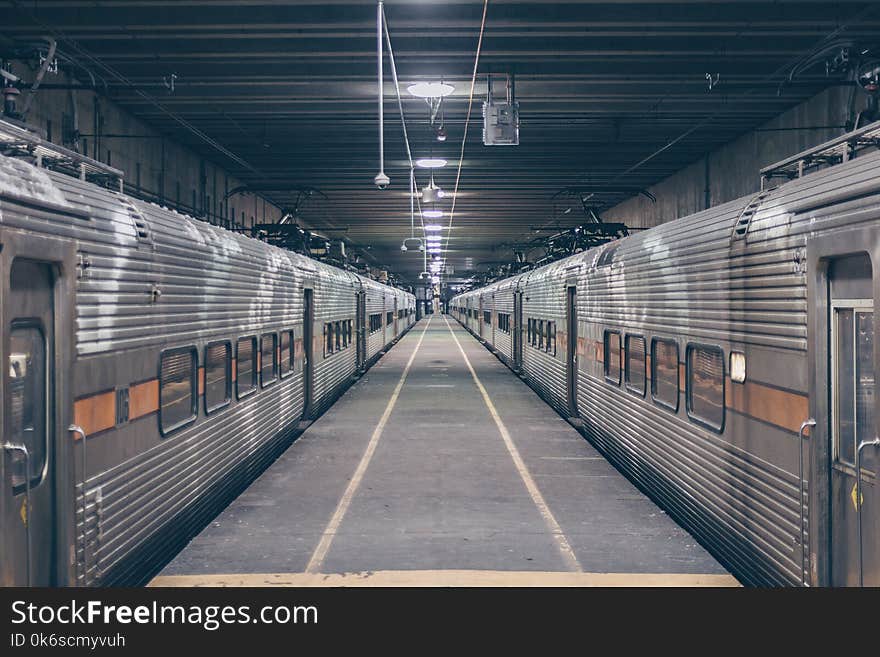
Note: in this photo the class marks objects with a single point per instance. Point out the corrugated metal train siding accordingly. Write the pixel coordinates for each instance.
(688, 280)
(212, 284)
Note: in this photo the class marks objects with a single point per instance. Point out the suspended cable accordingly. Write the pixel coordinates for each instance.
(467, 121)
(413, 183)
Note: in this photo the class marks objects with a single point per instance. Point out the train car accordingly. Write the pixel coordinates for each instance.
(725, 362)
(155, 364)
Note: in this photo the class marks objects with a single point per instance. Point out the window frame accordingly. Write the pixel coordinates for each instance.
(194, 388)
(626, 378)
(274, 336)
(329, 342)
(292, 363)
(550, 346)
(239, 394)
(606, 352)
(48, 403)
(657, 400)
(703, 422)
(219, 407)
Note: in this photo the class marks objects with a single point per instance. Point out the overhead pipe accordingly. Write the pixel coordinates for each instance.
(381, 180)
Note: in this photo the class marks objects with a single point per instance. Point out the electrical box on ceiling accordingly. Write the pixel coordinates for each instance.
(500, 123)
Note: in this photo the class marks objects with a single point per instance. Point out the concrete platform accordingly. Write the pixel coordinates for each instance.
(442, 468)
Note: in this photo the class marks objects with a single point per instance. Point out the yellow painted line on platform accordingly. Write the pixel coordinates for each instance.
(448, 578)
(562, 543)
(326, 541)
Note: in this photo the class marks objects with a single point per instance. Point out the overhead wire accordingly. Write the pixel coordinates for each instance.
(790, 67)
(467, 121)
(414, 190)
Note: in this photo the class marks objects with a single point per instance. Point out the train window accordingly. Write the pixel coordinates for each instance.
(328, 338)
(218, 375)
(540, 334)
(389, 318)
(551, 338)
(664, 373)
(487, 317)
(634, 364)
(705, 386)
(530, 330)
(268, 356)
(852, 368)
(178, 372)
(337, 330)
(348, 331)
(26, 405)
(285, 365)
(375, 322)
(504, 322)
(246, 370)
(612, 357)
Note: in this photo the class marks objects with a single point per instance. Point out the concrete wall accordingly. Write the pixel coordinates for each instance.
(155, 167)
(734, 169)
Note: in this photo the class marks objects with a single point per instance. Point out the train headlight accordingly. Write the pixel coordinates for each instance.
(737, 367)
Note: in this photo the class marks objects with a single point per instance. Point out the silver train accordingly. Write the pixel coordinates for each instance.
(156, 364)
(697, 355)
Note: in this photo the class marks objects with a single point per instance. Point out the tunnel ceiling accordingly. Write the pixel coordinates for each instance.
(290, 89)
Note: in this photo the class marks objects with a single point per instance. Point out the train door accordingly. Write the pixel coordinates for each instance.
(308, 349)
(29, 527)
(517, 330)
(855, 548)
(571, 347)
(361, 328)
(492, 320)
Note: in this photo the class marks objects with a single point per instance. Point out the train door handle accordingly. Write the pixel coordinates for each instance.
(75, 428)
(810, 422)
(20, 447)
(862, 445)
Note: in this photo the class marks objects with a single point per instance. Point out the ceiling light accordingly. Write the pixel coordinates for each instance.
(434, 238)
(432, 192)
(434, 249)
(432, 214)
(430, 89)
(432, 226)
(431, 163)
(441, 133)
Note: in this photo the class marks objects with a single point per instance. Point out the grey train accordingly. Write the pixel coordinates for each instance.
(156, 364)
(725, 363)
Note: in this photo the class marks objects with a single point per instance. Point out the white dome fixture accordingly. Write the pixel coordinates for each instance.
(431, 163)
(430, 89)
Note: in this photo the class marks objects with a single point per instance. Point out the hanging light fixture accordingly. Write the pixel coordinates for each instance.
(432, 214)
(430, 89)
(431, 163)
(433, 227)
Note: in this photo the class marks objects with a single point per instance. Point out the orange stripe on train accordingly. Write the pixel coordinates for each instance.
(143, 399)
(95, 413)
